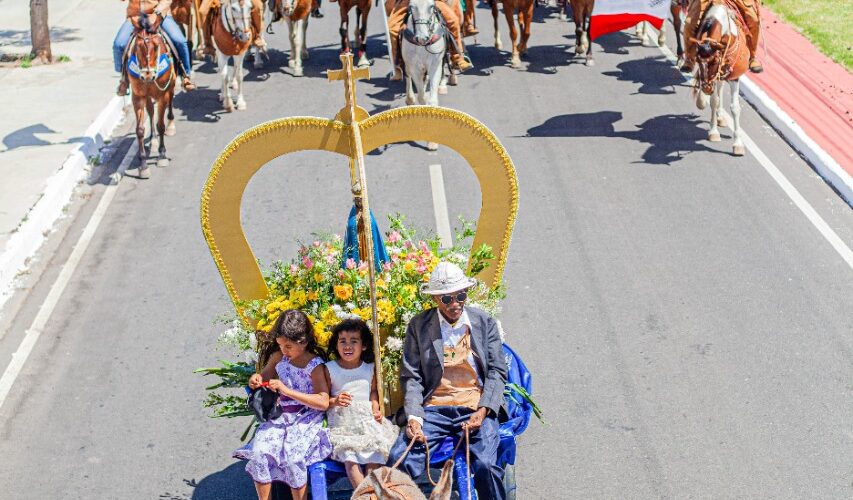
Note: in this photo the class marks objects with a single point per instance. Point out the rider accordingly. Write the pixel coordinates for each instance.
(397, 19)
(749, 10)
(257, 24)
(159, 14)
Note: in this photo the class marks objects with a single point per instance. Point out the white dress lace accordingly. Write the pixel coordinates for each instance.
(356, 436)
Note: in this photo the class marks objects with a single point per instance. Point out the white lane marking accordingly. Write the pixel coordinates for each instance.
(26, 346)
(783, 182)
(439, 202)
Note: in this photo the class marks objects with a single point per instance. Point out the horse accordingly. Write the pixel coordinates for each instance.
(152, 76)
(525, 19)
(723, 56)
(424, 49)
(362, 9)
(232, 35)
(678, 9)
(581, 13)
(296, 13)
(182, 12)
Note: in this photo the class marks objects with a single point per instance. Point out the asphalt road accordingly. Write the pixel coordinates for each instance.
(689, 330)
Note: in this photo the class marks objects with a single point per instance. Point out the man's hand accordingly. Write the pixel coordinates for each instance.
(414, 430)
(476, 420)
(255, 381)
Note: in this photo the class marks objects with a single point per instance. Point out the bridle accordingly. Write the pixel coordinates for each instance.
(146, 39)
(431, 22)
(720, 52)
(237, 32)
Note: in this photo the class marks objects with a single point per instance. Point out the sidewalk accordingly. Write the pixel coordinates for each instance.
(46, 109)
(811, 88)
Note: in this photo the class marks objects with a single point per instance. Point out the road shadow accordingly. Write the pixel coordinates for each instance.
(200, 105)
(231, 483)
(654, 75)
(27, 136)
(21, 38)
(670, 137)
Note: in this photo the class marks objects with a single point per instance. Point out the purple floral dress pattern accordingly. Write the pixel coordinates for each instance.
(282, 449)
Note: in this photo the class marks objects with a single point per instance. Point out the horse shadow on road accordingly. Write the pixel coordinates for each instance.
(232, 483)
(670, 137)
(653, 75)
(200, 105)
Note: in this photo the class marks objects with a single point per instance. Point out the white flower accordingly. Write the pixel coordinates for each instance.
(253, 341)
(336, 308)
(394, 344)
(350, 306)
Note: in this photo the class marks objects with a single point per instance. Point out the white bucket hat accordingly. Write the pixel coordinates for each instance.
(447, 278)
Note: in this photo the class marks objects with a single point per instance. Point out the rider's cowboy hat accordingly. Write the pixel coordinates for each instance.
(447, 278)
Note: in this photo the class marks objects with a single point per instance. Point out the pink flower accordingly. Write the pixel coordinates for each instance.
(350, 264)
(423, 246)
(293, 269)
(330, 259)
(341, 273)
(303, 250)
(409, 245)
(337, 237)
(395, 258)
(307, 262)
(422, 269)
(316, 244)
(386, 266)
(394, 237)
(362, 267)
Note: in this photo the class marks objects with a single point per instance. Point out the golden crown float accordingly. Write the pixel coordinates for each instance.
(329, 288)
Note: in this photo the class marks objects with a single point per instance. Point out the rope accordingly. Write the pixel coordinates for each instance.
(466, 439)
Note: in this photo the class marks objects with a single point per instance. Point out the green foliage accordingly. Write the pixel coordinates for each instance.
(519, 394)
(827, 23)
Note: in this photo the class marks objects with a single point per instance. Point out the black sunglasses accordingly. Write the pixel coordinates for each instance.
(460, 297)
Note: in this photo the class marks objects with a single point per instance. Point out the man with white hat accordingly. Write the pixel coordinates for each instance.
(453, 376)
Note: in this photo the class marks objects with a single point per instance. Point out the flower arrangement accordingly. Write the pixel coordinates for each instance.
(318, 284)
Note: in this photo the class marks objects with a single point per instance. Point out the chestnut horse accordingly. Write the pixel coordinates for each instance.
(182, 13)
(525, 19)
(231, 25)
(723, 56)
(151, 71)
(295, 14)
(362, 9)
(581, 13)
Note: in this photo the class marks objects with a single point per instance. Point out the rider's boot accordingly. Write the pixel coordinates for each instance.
(687, 67)
(122, 87)
(188, 84)
(755, 66)
(460, 62)
(468, 29)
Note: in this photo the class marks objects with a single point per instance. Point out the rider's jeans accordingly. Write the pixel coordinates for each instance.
(170, 27)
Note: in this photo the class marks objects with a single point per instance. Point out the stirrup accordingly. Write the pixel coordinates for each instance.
(755, 66)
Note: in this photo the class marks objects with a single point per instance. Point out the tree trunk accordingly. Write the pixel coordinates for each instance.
(40, 31)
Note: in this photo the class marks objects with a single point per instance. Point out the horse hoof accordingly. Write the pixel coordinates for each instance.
(738, 150)
(516, 61)
(590, 62)
(241, 105)
(298, 71)
(453, 79)
(410, 102)
(144, 173)
(162, 162)
(432, 146)
(291, 64)
(721, 122)
(499, 45)
(442, 90)
(170, 129)
(363, 61)
(714, 136)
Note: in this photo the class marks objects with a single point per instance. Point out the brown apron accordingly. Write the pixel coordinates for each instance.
(459, 384)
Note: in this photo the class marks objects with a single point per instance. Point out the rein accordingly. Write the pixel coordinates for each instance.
(431, 22)
(730, 49)
(233, 29)
(146, 38)
(467, 441)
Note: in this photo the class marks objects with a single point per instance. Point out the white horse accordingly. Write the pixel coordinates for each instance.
(423, 49)
(232, 37)
(296, 15)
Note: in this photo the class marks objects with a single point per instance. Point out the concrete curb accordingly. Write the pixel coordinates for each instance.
(823, 163)
(59, 187)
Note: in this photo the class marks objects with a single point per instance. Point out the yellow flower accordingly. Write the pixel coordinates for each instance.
(318, 277)
(426, 278)
(343, 292)
(298, 297)
(323, 337)
(312, 296)
(385, 310)
(409, 266)
(329, 317)
(380, 283)
(363, 312)
(410, 290)
(284, 305)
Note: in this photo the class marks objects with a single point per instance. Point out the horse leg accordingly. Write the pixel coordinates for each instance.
(170, 126)
(738, 147)
(515, 60)
(721, 118)
(410, 94)
(162, 104)
(225, 75)
(294, 56)
(527, 15)
(361, 36)
(238, 64)
(304, 39)
(586, 40)
(562, 5)
(678, 24)
(494, 5)
(139, 110)
(714, 132)
(344, 28)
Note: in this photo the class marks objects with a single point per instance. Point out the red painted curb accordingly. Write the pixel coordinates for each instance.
(814, 90)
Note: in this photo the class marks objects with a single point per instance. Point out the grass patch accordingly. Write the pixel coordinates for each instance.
(63, 58)
(26, 61)
(827, 23)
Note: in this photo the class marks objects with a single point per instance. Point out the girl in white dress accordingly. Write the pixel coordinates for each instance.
(360, 435)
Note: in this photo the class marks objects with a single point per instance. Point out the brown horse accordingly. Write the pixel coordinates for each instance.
(678, 9)
(362, 9)
(525, 19)
(723, 56)
(182, 13)
(151, 71)
(231, 26)
(581, 13)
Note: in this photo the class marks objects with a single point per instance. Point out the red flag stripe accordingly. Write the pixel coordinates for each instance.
(602, 24)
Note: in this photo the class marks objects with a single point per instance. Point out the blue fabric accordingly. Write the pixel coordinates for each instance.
(380, 254)
(441, 422)
(172, 30)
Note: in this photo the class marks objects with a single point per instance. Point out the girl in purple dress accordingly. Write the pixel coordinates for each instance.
(283, 448)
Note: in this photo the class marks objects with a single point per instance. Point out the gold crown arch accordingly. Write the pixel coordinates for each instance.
(351, 133)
